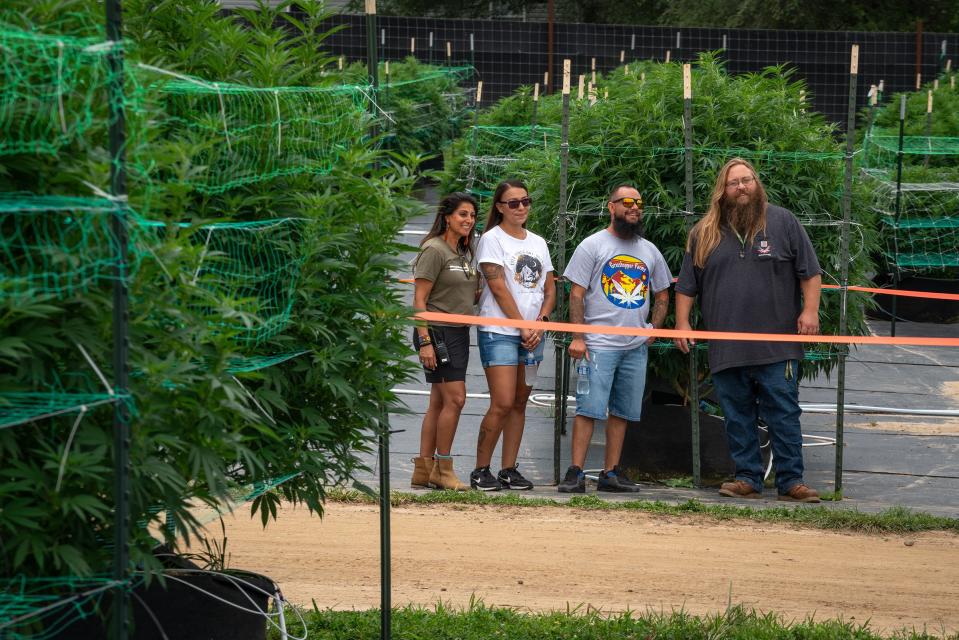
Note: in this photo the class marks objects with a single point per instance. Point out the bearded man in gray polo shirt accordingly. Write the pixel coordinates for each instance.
(616, 276)
(754, 270)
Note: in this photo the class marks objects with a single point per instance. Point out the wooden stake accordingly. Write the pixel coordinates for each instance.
(545, 79)
(582, 83)
(687, 82)
(622, 56)
(566, 76)
(593, 70)
(449, 49)
(873, 95)
(929, 103)
(668, 52)
(339, 63)
(536, 92)
(479, 92)
(412, 46)
(918, 81)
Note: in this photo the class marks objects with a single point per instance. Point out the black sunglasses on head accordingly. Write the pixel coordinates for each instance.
(514, 204)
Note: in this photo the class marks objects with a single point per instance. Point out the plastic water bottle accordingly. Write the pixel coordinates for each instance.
(582, 378)
(531, 368)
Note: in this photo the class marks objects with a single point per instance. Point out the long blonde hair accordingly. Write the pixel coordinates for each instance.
(708, 231)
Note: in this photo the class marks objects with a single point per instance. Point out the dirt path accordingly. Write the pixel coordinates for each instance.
(545, 558)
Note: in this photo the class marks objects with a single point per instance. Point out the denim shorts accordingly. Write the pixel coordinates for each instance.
(500, 350)
(617, 381)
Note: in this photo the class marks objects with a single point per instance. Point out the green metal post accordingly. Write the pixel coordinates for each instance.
(559, 423)
(844, 261)
(386, 606)
(121, 325)
(895, 231)
(690, 205)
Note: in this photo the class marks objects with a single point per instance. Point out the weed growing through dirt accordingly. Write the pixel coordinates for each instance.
(480, 622)
(890, 521)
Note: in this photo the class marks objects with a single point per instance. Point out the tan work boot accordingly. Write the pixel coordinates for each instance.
(443, 476)
(738, 489)
(421, 472)
(800, 493)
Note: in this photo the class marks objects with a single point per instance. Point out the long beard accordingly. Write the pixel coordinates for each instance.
(627, 230)
(745, 218)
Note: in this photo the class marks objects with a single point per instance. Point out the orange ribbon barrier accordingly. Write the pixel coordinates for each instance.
(899, 292)
(932, 295)
(451, 318)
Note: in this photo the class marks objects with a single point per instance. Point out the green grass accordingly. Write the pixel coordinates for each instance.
(479, 622)
(891, 521)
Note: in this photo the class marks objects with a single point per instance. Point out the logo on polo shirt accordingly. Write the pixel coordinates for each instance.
(625, 281)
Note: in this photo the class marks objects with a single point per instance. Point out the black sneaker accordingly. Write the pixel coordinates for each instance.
(573, 482)
(484, 480)
(510, 478)
(617, 481)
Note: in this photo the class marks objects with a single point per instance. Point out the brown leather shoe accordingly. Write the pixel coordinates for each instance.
(422, 467)
(738, 489)
(800, 493)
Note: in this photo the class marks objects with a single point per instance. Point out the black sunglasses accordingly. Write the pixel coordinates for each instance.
(514, 204)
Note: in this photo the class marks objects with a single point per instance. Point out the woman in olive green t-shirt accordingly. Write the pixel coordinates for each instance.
(446, 282)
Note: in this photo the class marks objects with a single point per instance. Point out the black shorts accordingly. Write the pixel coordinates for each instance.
(457, 341)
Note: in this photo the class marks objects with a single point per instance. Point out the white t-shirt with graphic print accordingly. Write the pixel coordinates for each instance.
(525, 263)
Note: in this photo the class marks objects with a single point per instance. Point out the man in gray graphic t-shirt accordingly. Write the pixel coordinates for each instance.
(616, 275)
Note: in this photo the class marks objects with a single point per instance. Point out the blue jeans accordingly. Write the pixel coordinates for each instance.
(617, 380)
(770, 391)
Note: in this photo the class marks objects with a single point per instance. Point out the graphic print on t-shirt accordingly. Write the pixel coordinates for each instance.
(527, 270)
(625, 281)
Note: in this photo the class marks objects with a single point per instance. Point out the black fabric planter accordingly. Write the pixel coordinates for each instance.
(661, 443)
(193, 605)
(920, 309)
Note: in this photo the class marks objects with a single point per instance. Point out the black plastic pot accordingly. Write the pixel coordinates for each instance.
(192, 605)
(920, 309)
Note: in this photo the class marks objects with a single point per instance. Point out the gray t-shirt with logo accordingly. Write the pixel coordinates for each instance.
(753, 288)
(620, 277)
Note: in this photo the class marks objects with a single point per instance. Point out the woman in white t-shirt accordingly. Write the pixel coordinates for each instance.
(519, 285)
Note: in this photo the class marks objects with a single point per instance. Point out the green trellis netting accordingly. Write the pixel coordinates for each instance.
(241, 135)
(919, 213)
(57, 603)
(50, 88)
(55, 246)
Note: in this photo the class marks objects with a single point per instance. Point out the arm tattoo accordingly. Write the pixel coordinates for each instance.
(660, 306)
(577, 312)
(492, 271)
